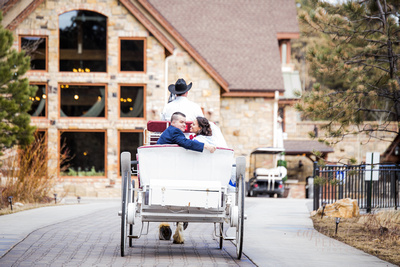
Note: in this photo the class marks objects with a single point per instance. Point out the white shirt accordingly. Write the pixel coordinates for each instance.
(205, 139)
(217, 139)
(184, 105)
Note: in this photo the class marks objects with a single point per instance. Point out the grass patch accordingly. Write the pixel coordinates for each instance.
(377, 234)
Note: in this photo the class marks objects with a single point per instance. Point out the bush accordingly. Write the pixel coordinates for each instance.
(25, 175)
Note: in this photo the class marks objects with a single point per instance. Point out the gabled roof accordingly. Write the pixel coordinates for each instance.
(238, 38)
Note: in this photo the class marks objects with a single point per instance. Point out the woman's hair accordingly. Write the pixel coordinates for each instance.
(205, 126)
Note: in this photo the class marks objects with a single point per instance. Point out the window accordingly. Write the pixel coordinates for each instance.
(281, 115)
(36, 48)
(83, 41)
(132, 54)
(38, 108)
(86, 152)
(284, 49)
(82, 100)
(131, 101)
(130, 141)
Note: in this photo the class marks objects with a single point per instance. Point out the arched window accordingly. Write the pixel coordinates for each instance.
(83, 41)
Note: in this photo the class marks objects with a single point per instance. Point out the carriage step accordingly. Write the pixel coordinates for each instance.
(245, 216)
(133, 236)
(229, 238)
(119, 213)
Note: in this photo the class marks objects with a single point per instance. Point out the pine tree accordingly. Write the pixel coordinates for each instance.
(357, 69)
(15, 91)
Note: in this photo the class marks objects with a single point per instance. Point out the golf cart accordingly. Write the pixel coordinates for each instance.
(267, 170)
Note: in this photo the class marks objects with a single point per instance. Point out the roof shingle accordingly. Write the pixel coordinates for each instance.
(238, 38)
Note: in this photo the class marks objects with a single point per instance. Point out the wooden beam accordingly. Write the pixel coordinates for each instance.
(7, 6)
(243, 93)
(287, 35)
(24, 14)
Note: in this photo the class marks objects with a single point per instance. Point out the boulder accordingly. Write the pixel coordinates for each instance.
(343, 208)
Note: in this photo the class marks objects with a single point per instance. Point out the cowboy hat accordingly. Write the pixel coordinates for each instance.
(179, 87)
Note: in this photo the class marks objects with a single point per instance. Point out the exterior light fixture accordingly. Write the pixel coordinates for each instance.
(76, 97)
(337, 224)
(10, 201)
(323, 208)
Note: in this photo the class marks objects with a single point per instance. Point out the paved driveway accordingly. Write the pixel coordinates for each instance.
(93, 240)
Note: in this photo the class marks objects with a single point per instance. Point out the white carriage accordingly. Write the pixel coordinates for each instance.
(180, 185)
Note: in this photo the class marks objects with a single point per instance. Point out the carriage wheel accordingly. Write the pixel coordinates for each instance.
(221, 239)
(240, 171)
(132, 200)
(126, 177)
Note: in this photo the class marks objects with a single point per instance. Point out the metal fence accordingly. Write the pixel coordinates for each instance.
(373, 186)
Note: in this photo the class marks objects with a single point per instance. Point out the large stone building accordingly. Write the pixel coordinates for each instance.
(102, 68)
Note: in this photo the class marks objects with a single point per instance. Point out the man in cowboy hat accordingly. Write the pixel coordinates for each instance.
(181, 103)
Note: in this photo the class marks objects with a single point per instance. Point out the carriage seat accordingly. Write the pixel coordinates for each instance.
(160, 126)
(155, 129)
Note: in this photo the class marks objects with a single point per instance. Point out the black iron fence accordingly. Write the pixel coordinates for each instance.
(373, 186)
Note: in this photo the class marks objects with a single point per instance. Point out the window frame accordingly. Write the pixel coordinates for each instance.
(47, 98)
(144, 54)
(59, 37)
(46, 50)
(83, 118)
(144, 101)
(119, 147)
(60, 131)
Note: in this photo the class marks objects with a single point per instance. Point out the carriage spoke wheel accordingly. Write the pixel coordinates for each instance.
(132, 199)
(126, 176)
(221, 239)
(240, 171)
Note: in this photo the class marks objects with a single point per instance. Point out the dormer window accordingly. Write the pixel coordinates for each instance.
(284, 49)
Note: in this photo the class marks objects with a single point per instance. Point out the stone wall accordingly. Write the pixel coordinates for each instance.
(247, 123)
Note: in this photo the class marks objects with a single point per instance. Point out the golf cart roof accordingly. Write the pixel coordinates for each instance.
(268, 150)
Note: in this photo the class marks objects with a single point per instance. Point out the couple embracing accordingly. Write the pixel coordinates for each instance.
(206, 134)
